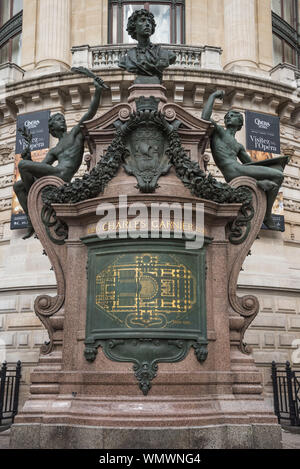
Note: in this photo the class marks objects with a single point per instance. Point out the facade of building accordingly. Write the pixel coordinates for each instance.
(247, 48)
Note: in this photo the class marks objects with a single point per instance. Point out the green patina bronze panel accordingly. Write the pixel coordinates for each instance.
(146, 290)
(146, 303)
(157, 290)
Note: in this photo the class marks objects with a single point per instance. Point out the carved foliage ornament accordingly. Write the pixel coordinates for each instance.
(146, 354)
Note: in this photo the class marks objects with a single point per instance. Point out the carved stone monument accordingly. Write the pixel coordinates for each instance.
(146, 344)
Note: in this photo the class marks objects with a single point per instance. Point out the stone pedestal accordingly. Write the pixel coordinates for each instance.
(146, 91)
(216, 403)
(146, 333)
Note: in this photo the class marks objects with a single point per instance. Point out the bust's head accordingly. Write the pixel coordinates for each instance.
(57, 124)
(141, 22)
(234, 119)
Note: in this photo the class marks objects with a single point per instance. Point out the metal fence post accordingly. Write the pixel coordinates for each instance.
(16, 390)
(275, 391)
(296, 384)
(2, 389)
(289, 376)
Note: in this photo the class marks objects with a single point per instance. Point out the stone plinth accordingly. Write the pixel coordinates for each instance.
(192, 403)
(146, 91)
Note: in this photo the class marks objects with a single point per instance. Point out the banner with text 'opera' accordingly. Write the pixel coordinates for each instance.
(263, 143)
(37, 124)
(262, 133)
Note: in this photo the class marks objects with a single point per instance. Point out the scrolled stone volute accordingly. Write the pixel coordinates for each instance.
(46, 306)
(244, 309)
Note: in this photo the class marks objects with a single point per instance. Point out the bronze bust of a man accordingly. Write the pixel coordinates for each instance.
(147, 60)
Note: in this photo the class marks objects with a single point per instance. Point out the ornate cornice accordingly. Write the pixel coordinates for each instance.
(291, 182)
(5, 204)
(6, 180)
(292, 205)
(11, 28)
(6, 155)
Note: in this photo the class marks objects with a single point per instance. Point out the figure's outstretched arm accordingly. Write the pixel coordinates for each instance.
(95, 102)
(208, 108)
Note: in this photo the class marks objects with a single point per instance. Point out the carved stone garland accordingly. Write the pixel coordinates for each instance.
(93, 184)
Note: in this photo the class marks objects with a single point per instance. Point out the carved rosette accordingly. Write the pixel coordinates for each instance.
(46, 306)
(248, 224)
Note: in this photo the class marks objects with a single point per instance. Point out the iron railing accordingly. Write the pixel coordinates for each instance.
(286, 392)
(9, 392)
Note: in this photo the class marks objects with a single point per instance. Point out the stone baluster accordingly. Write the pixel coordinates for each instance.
(103, 60)
(197, 62)
(109, 58)
(97, 61)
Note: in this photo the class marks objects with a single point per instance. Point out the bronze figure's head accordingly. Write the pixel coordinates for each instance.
(57, 123)
(141, 22)
(234, 119)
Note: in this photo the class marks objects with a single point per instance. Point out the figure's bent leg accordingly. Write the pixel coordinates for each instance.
(266, 185)
(269, 180)
(22, 195)
(271, 188)
(271, 197)
(26, 176)
(262, 173)
(32, 170)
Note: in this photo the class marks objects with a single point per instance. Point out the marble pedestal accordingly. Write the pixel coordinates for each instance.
(79, 404)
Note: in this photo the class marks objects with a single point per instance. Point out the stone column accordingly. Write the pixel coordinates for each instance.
(54, 33)
(264, 25)
(240, 35)
(195, 14)
(29, 38)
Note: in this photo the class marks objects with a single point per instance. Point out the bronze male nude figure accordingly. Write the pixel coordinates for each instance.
(226, 151)
(68, 152)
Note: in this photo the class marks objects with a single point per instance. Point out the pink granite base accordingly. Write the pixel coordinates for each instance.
(227, 436)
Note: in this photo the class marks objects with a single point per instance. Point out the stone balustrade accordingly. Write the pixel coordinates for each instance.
(188, 57)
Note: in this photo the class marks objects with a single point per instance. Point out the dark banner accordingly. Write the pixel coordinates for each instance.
(279, 222)
(37, 124)
(262, 133)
